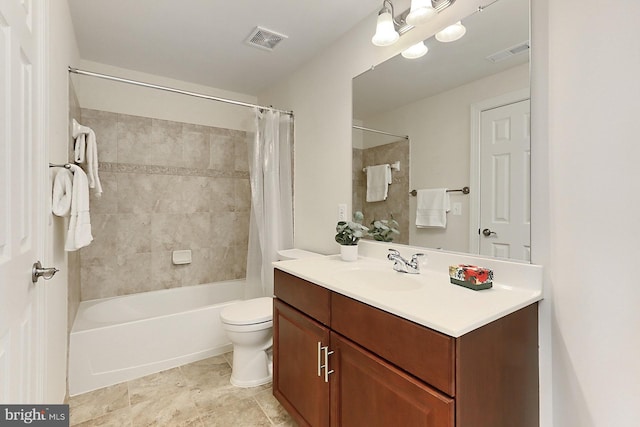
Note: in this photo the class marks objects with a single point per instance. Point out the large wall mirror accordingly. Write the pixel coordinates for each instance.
(456, 117)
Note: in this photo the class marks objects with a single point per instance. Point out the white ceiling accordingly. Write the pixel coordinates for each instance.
(202, 41)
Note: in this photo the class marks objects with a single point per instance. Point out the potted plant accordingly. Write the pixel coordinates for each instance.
(348, 234)
(383, 230)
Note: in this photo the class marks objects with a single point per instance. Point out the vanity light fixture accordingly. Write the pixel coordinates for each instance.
(416, 51)
(389, 27)
(421, 11)
(386, 33)
(451, 33)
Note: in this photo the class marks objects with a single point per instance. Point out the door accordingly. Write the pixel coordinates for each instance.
(298, 377)
(505, 153)
(22, 172)
(368, 391)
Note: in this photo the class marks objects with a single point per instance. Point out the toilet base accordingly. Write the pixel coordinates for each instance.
(251, 368)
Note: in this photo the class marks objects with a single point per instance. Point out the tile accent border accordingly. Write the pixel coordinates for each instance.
(168, 170)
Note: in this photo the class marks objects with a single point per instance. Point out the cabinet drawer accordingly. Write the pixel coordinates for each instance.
(313, 300)
(427, 354)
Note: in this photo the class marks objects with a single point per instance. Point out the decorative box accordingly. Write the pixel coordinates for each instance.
(471, 276)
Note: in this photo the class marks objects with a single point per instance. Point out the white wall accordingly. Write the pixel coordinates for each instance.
(62, 51)
(585, 204)
(116, 97)
(439, 127)
(594, 207)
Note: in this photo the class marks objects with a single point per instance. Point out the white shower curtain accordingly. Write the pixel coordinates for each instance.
(271, 226)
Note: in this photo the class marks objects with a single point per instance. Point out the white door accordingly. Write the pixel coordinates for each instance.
(505, 153)
(22, 172)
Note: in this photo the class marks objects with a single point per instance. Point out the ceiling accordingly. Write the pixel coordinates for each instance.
(202, 41)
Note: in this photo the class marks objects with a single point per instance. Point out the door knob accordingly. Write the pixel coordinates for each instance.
(37, 271)
(488, 232)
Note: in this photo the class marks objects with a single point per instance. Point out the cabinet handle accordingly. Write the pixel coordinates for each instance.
(319, 358)
(326, 363)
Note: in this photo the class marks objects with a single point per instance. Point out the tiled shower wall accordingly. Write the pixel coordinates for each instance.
(397, 203)
(167, 186)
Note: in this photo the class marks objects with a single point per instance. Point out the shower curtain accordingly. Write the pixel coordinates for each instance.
(271, 226)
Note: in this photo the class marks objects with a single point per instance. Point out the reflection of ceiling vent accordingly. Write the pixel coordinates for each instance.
(264, 39)
(508, 53)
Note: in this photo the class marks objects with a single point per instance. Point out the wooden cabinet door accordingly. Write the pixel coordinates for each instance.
(367, 391)
(296, 383)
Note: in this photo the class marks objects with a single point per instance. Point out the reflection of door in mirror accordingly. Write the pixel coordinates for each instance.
(371, 153)
(505, 153)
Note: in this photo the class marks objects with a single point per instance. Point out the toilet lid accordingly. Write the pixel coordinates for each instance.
(248, 312)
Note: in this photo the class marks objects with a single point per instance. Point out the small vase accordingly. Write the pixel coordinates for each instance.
(349, 252)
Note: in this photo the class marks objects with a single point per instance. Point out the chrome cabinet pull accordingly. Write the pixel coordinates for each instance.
(319, 358)
(327, 353)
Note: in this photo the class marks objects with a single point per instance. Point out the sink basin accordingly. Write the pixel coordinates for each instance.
(386, 280)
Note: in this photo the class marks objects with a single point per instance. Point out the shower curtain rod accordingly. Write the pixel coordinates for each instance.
(379, 131)
(170, 89)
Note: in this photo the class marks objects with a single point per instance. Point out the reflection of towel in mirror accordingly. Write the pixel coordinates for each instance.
(79, 233)
(432, 207)
(62, 190)
(378, 180)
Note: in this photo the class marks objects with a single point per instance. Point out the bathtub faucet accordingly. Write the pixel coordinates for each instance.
(402, 265)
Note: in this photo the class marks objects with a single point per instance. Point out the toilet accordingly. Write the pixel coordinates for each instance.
(249, 326)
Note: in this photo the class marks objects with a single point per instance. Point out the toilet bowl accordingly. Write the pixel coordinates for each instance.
(249, 326)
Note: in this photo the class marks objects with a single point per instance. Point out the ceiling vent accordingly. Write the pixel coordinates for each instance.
(508, 53)
(265, 39)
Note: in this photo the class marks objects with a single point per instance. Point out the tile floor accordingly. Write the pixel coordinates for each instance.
(198, 394)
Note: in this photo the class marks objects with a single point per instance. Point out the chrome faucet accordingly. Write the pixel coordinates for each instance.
(402, 265)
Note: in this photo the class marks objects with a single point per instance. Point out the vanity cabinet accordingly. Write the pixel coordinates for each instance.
(340, 362)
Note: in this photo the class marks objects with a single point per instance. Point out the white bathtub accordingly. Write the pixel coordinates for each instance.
(121, 338)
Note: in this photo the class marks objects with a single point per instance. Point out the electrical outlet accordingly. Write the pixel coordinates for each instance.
(457, 208)
(342, 212)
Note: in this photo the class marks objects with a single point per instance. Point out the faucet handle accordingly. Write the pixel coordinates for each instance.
(414, 257)
(393, 253)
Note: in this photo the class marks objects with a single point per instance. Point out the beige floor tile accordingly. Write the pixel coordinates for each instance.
(156, 386)
(245, 412)
(97, 403)
(117, 418)
(199, 394)
(272, 408)
(177, 410)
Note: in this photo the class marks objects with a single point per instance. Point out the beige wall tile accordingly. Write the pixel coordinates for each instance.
(134, 139)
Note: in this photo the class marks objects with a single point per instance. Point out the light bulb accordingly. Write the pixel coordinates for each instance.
(421, 12)
(451, 33)
(416, 51)
(386, 33)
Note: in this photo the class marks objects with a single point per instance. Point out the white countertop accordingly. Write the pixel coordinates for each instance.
(427, 298)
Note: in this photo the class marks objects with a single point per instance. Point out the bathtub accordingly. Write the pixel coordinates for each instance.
(121, 338)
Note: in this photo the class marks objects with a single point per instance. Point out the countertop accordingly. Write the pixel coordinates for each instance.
(428, 298)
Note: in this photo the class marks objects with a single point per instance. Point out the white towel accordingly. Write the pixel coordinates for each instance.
(62, 190)
(432, 207)
(79, 233)
(86, 149)
(92, 163)
(79, 148)
(378, 180)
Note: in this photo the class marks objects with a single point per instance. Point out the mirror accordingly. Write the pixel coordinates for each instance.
(464, 108)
